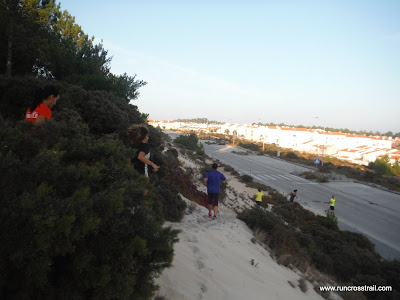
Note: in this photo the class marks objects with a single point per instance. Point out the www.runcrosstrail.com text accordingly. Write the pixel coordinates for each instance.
(356, 288)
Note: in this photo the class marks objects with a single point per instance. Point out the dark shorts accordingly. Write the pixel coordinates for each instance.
(213, 199)
(332, 207)
(258, 202)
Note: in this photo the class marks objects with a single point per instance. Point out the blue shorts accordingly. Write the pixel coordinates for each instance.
(213, 199)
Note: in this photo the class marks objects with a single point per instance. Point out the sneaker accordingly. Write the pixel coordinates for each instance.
(215, 217)
(209, 215)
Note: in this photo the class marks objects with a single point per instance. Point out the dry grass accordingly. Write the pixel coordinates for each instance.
(260, 236)
(303, 285)
(192, 207)
(269, 200)
(285, 259)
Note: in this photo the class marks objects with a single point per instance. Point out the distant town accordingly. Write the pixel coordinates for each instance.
(356, 148)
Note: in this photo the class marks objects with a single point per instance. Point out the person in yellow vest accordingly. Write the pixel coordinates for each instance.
(332, 203)
(259, 197)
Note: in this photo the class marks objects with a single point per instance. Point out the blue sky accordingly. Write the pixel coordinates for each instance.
(325, 63)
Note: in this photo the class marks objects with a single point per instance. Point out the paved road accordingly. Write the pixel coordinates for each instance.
(359, 208)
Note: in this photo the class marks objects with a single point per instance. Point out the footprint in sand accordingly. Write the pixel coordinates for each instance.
(195, 249)
(200, 264)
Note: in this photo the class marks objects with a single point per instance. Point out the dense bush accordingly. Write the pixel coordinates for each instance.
(246, 178)
(228, 168)
(173, 205)
(327, 167)
(298, 237)
(322, 178)
(310, 175)
(249, 146)
(256, 185)
(383, 167)
(75, 222)
(231, 170)
(188, 142)
(291, 155)
(191, 143)
(102, 112)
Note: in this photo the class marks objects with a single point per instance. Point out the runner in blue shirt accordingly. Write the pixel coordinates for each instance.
(213, 179)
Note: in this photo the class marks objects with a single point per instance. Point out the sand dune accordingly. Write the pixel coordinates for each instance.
(215, 259)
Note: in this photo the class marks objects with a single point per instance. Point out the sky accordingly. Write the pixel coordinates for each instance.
(323, 63)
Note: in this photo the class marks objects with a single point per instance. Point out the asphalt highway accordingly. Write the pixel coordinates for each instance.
(359, 207)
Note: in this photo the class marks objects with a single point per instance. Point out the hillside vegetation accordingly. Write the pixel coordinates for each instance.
(75, 220)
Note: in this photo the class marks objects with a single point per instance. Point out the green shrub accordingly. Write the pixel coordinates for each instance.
(249, 146)
(246, 178)
(291, 155)
(171, 155)
(259, 218)
(257, 185)
(276, 196)
(172, 203)
(382, 166)
(188, 142)
(228, 168)
(310, 175)
(300, 238)
(200, 149)
(332, 219)
(327, 167)
(74, 220)
(322, 178)
(74, 216)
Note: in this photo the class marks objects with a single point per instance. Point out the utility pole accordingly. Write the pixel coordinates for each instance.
(322, 161)
(263, 144)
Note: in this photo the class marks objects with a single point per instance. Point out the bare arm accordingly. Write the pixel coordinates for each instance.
(143, 159)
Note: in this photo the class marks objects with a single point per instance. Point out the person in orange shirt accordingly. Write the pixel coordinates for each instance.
(40, 110)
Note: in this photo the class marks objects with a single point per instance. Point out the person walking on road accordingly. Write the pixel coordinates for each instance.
(213, 179)
(332, 205)
(259, 197)
(292, 196)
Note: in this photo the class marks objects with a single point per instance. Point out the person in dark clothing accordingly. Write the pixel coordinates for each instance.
(213, 179)
(292, 196)
(139, 136)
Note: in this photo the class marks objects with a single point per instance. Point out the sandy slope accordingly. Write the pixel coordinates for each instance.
(215, 259)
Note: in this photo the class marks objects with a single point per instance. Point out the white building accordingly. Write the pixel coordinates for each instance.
(360, 149)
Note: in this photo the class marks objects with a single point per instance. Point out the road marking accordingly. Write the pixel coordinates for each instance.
(261, 179)
(297, 177)
(285, 177)
(268, 177)
(264, 177)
